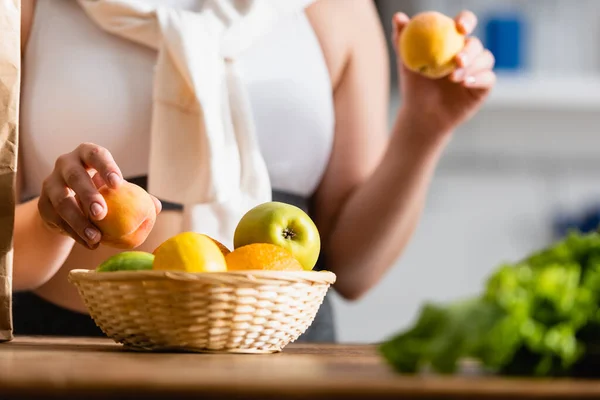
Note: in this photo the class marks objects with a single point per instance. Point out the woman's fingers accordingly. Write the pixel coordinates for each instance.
(74, 170)
(466, 22)
(477, 69)
(70, 199)
(472, 49)
(75, 177)
(65, 205)
(484, 61)
(51, 217)
(482, 80)
(399, 21)
(157, 204)
(472, 60)
(97, 179)
(100, 159)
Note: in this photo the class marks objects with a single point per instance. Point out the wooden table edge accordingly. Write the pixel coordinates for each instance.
(389, 385)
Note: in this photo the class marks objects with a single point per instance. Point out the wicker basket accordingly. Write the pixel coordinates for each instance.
(241, 312)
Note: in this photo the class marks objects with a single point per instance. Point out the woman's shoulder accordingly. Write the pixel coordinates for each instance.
(340, 27)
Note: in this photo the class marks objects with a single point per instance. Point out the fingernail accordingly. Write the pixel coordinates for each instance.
(114, 179)
(458, 75)
(91, 233)
(470, 80)
(466, 25)
(96, 209)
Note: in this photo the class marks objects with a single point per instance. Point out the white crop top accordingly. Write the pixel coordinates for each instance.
(81, 84)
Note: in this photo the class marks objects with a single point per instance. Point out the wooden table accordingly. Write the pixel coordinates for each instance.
(70, 368)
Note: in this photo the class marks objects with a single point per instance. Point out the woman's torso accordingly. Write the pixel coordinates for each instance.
(81, 84)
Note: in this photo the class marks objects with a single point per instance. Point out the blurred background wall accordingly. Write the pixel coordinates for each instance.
(514, 178)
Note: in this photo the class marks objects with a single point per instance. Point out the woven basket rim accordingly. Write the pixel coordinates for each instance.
(229, 277)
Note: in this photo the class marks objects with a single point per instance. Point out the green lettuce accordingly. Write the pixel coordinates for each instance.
(539, 316)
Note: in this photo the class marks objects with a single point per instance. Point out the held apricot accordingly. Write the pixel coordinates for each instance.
(130, 217)
(429, 44)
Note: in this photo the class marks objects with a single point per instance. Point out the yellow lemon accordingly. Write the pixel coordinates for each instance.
(189, 252)
(429, 44)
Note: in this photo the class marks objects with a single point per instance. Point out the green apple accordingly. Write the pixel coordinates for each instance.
(284, 225)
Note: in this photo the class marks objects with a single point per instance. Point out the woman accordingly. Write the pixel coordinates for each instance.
(318, 87)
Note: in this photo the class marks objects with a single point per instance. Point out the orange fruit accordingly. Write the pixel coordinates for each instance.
(130, 216)
(429, 43)
(189, 252)
(262, 256)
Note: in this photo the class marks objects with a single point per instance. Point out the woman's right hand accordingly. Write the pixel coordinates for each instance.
(70, 201)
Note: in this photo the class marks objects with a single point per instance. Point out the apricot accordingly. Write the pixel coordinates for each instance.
(429, 44)
(131, 214)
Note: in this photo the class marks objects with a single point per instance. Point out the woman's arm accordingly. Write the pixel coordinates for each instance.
(38, 251)
(373, 191)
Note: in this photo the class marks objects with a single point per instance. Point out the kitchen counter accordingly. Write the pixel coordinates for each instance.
(76, 368)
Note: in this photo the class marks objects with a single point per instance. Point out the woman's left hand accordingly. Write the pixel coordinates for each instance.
(443, 104)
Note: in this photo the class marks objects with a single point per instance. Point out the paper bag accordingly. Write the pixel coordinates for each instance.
(10, 78)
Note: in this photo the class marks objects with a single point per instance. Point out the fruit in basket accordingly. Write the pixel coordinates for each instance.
(221, 246)
(130, 217)
(283, 225)
(429, 43)
(189, 252)
(262, 256)
(127, 261)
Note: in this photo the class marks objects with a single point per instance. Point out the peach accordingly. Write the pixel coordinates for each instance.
(429, 43)
(131, 214)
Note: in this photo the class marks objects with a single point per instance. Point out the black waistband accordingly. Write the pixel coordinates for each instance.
(284, 197)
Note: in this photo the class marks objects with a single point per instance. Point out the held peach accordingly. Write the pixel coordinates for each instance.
(429, 43)
(130, 217)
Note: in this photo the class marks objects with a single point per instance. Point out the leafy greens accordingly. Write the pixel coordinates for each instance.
(539, 316)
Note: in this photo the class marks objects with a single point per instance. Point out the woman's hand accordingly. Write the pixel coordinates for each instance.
(70, 201)
(440, 105)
